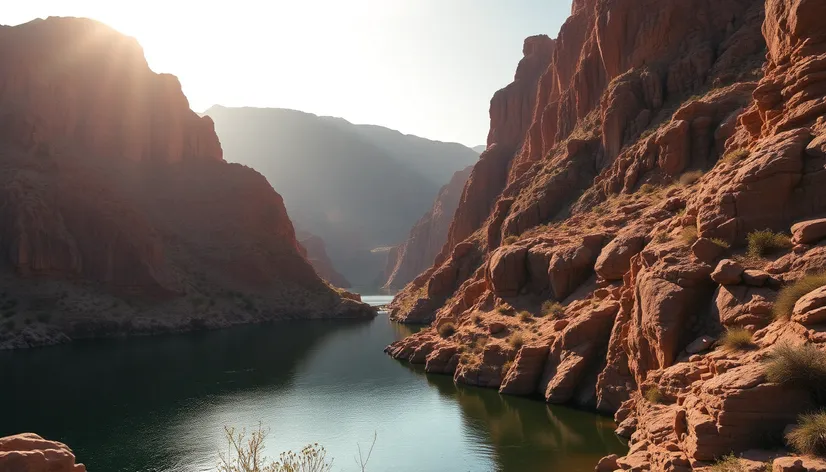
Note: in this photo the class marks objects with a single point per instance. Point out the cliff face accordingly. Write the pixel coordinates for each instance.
(427, 237)
(662, 134)
(118, 213)
(315, 251)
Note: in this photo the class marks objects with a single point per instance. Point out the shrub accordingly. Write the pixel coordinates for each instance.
(790, 294)
(553, 309)
(447, 330)
(736, 155)
(809, 437)
(798, 366)
(654, 395)
(762, 243)
(720, 242)
(690, 177)
(525, 316)
(688, 235)
(511, 240)
(737, 339)
(662, 237)
(648, 188)
(506, 367)
(516, 340)
(729, 463)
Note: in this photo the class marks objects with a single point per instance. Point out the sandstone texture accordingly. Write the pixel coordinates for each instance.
(29, 452)
(598, 256)
(119, 215)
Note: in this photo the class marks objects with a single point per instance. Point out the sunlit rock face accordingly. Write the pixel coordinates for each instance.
(597, 256)
(118, 213)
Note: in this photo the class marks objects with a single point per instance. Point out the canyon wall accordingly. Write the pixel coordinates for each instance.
(598, 253)
(316, 252)
(119, 214)
(427, 237)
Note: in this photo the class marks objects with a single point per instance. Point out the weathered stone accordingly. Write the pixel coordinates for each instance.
(728, 272)
(809, 232)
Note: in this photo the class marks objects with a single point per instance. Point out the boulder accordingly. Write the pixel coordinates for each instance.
(615, 258)
(728, 272)
(810, 309)
(523, 377)
(29, 452)
(798, 464)
(707, 251)
(508, 271)
(809, 232)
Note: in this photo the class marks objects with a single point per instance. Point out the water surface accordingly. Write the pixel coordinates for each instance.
(160, 403)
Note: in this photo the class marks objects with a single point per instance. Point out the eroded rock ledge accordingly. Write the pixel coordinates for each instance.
(605, 258)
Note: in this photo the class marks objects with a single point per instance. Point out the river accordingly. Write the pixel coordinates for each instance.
(160, 403)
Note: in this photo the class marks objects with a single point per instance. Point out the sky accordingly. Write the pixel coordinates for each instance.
(423, 67)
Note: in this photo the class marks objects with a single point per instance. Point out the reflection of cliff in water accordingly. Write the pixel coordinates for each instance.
(113, 384)
(530, 435)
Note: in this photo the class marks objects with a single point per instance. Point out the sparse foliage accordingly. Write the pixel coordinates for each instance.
(553, 309)
(511, 240)
(720, 243)
(798, 366)
(648, 189)
(525, 316)
(654, 395)
(736, 156)
(809, 437)
(690, 177)
(447, 330)
(688, 235)
(737, 339)
(790, 294)
(245, 453)
(729, 463)
(516, 340)
(765, 242)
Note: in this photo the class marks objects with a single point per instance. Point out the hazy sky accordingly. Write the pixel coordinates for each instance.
(425, 67)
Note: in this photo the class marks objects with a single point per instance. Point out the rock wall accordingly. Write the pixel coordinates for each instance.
(316, 253)
(612, 260)
(118, 213)
(427, 237)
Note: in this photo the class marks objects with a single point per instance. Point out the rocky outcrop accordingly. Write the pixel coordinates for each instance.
(662, 136)
(119, 214)
(315, 252)
(427, 237)
(29, 452)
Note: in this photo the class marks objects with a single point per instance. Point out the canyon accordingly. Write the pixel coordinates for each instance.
(598, 255)
(119, 214)
(359, 188)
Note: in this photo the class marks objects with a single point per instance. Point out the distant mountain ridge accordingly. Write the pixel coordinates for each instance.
(357, 187)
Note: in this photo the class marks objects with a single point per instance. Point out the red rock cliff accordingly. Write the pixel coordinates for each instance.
(663, 134)
(119, 214)
(316, 252)
(427, 237)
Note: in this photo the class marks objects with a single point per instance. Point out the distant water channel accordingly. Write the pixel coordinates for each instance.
(160, 403)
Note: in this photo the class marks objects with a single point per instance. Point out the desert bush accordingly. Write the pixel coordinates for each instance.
(516, 340)
(798, 366)
(504, 310)
(553, 309)
(511, 240)
(654, 395)
(790, 294)
(736, 155)
(720, 242)
(688, 235)
(525, 316)
(765, 242)
(447, 330)
(809, 437)
(729, 463)
(690, 177)
(648, 188)
(737, 339)
(662, 237)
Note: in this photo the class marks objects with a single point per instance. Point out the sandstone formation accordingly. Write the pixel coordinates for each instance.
(119, 214)
(316, 252)
(29, 452)
(598, 254)
(427, 237)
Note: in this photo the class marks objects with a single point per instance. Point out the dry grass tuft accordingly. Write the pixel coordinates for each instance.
(736, 156)
(511, 240)
(809, 437)
(790, 294)
(765, 242)
(654, 395)
(798, 367)
(689, 235)
(525, 316)
(737, 339)
(447, 330)
(720, 242)
(690, 178)
(553, 309)
(516, 340)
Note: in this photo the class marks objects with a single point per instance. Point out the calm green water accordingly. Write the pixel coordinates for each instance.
(160, 403)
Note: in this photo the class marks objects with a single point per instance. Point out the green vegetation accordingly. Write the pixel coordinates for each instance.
(246, 454)
(511, 240)
(720, 242)
(809, 437)
(737, 339)
(798, 366)
(690, 177)
(765, 242)
(736, 156)
(447, 330)
(790, 294)
(553, 309)
(688, 235)
(654, 395)
(516, 340)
